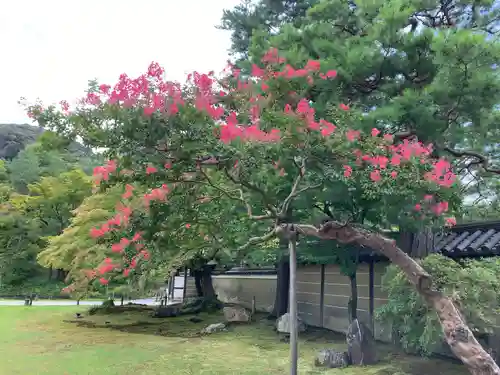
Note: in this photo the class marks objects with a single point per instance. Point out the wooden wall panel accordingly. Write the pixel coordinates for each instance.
(309, 294)
(190, 287)
(241, 289)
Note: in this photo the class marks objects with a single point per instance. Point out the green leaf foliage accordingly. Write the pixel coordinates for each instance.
(473, 285)
(417, 67)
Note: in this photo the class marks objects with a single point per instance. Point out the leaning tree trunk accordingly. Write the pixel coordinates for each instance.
(456, 332)
(282, 287)
(293, 306)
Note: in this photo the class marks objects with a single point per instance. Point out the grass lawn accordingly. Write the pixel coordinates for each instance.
(36, 340)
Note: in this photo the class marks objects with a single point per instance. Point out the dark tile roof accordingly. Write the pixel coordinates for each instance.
(465, 240)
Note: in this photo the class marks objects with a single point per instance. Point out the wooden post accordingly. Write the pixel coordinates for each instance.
(294, 349)
(185, 283)
(371, 295)
(172, 288)
(322, 295)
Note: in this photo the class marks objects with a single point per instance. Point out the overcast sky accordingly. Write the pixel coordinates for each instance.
(50, 49)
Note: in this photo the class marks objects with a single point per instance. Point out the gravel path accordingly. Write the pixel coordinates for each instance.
(60, 302)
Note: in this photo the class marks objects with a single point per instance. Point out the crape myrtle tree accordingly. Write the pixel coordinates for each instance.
(259, 143)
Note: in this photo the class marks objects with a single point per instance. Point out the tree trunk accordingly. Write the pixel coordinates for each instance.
(293, 307)
(206, 283)
(282, 287)
(353, 300)
(50, 273)
(61, 274)
(198, 283)
(281, 299)
(456, 332)
(421, 243)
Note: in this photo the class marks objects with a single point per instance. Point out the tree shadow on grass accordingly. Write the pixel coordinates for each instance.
(140, 321)
(260, 334)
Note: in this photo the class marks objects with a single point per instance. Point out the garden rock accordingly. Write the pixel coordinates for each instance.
(236, 314)
(212, 328)
(360, 344)
(283, 324)
(330, 358)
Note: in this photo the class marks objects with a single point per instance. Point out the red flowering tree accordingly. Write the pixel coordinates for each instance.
(252, 149)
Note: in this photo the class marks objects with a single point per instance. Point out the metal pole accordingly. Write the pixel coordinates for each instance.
(372, 296)
(292, 245)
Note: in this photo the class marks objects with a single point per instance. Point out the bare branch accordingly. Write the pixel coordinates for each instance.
(404, 135)
(218, 188)
(307, 188)
(254, 188)
(295, 189)
(479, 159)
(208, 182)
(269, 215)
(257, 240)
(203, 160)
(293, 192)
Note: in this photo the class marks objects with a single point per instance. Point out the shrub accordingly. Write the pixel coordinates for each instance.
(474, 286)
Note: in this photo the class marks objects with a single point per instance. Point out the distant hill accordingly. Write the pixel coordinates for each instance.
(15, 137)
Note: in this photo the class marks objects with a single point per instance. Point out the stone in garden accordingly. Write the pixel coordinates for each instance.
(360, 344)
(330, 358)
(236, 314)
(283, 324)
(212, 328)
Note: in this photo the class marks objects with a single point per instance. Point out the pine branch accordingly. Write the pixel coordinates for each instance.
(480, 160)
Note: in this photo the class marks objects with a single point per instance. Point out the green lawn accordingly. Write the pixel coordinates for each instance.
(35, 340)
